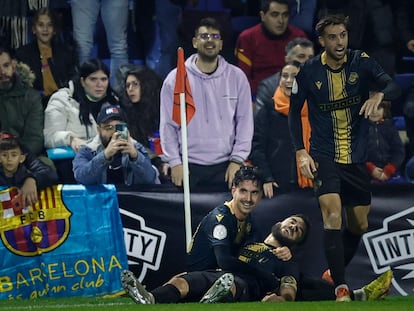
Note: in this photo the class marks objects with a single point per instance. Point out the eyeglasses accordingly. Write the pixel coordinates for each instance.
(133, 84)
(212, 36)
(108, 127)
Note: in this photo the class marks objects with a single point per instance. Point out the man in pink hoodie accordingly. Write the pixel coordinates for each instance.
(219, 134)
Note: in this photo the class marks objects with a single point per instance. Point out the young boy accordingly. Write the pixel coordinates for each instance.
(23, 170)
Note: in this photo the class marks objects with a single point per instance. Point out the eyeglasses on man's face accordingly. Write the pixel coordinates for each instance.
(212, 36)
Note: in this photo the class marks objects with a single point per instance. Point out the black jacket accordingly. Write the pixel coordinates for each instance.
(265, 92)
(63, 63)
(385, 145)
(44, 175)
(272, 149)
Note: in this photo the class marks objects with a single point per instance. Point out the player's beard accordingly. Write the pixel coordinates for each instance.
(277, 234)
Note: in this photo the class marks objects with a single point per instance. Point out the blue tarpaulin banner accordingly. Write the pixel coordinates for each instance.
(70, 243)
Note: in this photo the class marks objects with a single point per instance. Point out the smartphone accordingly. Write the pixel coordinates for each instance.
(122, 129)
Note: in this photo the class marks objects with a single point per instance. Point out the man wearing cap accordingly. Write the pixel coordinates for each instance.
(110, 158)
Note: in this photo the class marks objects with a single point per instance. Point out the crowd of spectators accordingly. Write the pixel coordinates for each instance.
(52, 89)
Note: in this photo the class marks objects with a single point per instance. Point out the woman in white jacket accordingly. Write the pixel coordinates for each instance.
(71, 112)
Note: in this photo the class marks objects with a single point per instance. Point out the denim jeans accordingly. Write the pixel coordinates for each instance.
(163, 55)
(114, 14)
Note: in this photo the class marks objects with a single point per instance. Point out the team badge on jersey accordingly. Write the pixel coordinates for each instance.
(353, 78)
(219, 232)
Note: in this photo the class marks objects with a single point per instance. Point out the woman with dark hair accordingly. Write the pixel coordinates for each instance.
(71, 112)
(141, 101)
(53, 62)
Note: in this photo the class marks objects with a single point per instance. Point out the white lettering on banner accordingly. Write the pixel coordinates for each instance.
(392, 247)
(144, 245)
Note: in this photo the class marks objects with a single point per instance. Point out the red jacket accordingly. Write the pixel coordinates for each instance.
(260, 54)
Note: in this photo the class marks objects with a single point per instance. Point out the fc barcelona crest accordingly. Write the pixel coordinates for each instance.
(35, 229)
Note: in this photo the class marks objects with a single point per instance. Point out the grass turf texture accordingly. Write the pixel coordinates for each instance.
(399, 303)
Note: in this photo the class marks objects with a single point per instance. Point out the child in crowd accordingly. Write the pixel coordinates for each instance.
(385, 149)
(23, 170)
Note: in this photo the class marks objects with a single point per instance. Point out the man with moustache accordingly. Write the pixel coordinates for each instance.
(21, 110)
(337, 85)
(220, 131)
(111, 159)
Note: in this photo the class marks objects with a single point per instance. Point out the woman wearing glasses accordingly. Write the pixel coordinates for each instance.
(71, 112)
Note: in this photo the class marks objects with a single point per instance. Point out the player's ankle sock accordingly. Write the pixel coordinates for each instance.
(334, 252)
(166, 294)
(351, 243)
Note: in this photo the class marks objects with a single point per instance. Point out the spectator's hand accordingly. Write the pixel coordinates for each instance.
(371, 104)
(410, 45)
(76, 143)
(115, 145)
(268, 189)
(282, 253)
(127, 146)
(29, 191)
(272, 298)
(231, 170)
(378, 173)
(177, 175)
(164, 167)
(306, 164)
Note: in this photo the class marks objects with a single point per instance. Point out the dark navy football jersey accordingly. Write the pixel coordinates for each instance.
(335, 98)
(219, 227)
(260, 257)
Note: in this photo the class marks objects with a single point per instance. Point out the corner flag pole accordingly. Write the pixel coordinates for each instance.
(183, 104)
(186, 182)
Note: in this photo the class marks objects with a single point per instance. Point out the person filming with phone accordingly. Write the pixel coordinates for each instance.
(113, 156)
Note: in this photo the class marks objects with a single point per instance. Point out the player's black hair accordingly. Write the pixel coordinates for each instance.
(252, 173)
(334, 19)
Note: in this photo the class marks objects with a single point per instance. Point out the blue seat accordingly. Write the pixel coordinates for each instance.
(404, 80)
(240, 23)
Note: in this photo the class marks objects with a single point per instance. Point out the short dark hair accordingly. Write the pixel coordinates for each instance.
(303, 42)
(252, 173)
(7, 50)
(266, 4)
(208, 22)
(334, 19)
(9, 141)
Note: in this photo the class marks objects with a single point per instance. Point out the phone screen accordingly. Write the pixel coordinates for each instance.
(123, 129)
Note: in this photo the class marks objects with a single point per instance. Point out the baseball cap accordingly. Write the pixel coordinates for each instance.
(110, 112)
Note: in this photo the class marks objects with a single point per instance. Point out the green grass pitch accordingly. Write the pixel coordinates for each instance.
(400, 303)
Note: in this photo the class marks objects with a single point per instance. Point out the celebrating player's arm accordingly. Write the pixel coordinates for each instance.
(287, 291)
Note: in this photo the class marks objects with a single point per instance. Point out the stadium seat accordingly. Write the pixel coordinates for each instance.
(404, 80)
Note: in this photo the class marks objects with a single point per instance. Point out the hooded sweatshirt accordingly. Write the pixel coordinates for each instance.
(222, 126)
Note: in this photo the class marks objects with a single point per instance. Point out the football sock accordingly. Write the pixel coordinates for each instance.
(351, 243)
(334, 252)
(166, 294)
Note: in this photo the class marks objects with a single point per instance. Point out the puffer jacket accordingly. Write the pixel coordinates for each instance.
(21, 111)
